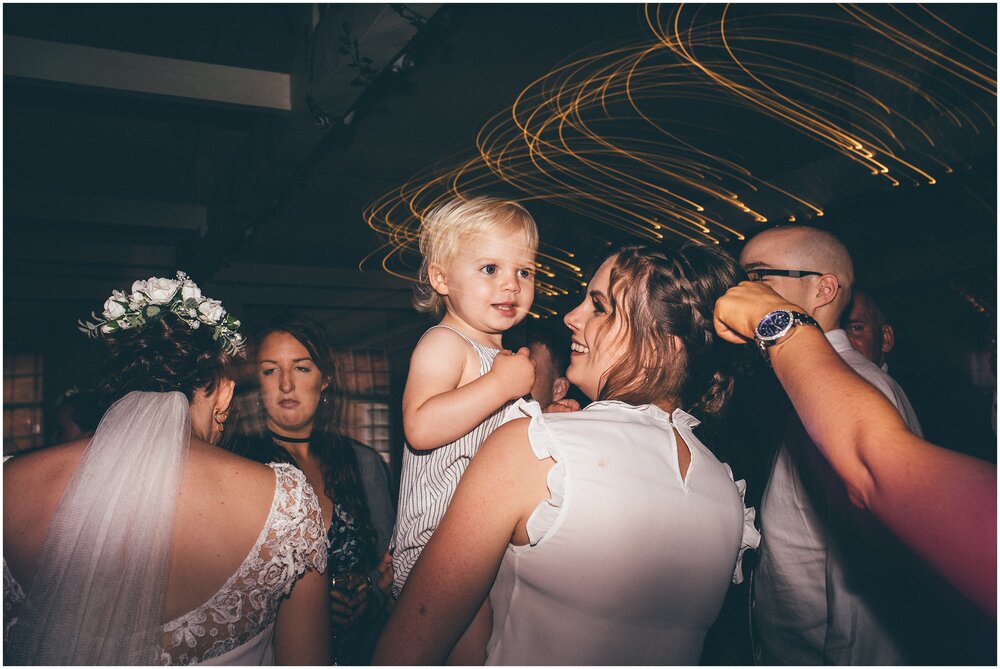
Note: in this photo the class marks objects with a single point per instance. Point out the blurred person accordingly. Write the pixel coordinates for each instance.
(603, 536)
(868, 330)
(77, 415)
(147, 544)
(941, 503)
(871, 335)
(822, 593)
(550, 353)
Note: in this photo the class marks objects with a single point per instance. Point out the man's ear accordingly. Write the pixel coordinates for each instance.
(559, 388)
(888, 338)
(437, 278)
(827, 291)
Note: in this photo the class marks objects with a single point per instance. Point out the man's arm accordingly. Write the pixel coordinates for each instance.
(941, 503)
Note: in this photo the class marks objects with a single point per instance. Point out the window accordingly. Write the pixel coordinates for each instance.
(365, 374)
(22, 401)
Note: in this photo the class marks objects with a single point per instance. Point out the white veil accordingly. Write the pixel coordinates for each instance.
(98, 587)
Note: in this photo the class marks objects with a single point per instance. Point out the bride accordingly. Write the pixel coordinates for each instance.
(145, 544)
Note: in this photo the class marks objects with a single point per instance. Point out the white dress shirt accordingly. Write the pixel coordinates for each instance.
(819, 595)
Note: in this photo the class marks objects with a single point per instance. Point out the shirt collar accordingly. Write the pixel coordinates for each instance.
(838, 340)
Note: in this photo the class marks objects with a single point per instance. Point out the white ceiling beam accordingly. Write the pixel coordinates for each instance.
(56, 62)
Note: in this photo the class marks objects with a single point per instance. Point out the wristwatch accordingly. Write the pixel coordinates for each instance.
(776, 325)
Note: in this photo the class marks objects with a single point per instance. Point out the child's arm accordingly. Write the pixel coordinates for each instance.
(436, 409)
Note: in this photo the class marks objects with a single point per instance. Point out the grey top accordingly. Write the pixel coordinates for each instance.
(375, 479)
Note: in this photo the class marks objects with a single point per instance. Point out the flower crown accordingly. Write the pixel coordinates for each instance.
(150, 299)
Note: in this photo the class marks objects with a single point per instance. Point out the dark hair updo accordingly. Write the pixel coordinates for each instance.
(669, 297)
(165, 354)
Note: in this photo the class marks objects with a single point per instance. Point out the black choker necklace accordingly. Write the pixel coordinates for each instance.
(290, 440)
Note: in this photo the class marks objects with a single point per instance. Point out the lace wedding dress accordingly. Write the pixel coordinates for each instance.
(236, 625)
(99, 580)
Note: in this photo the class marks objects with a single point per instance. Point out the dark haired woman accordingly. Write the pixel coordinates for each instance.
(297, 376)
(603, 536)
(146, 544)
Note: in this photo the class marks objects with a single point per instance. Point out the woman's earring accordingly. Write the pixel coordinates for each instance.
(220, 418)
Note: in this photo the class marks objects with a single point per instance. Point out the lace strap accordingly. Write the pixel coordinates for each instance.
(303, 542)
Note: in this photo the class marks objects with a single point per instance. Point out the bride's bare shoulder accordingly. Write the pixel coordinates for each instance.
(33, 484)
(215, 471)
(40, 472)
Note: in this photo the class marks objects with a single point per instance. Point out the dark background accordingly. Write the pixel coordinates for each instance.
(265, 207)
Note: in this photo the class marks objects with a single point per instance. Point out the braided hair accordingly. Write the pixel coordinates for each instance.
(667, 299)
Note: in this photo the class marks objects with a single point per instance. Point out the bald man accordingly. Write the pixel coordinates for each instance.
(820, 589)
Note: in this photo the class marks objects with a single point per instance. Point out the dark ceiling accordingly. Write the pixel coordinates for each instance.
(254, 177)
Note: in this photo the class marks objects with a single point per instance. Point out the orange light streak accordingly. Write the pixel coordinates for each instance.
(611, 137)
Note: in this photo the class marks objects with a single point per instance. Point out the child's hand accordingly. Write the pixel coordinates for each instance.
(516, 372)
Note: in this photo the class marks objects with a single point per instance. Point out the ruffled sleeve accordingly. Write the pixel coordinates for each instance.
(298, 524)
(544, 445)
(751, 537)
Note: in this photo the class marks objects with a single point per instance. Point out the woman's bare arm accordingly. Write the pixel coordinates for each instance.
(453, 576)
(302, 629)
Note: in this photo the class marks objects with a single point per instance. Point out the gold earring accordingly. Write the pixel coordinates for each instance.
(220, 418)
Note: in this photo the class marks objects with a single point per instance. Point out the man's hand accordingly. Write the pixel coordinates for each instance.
(738, 312)
(562, 406)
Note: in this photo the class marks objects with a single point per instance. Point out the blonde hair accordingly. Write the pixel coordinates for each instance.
(446, 227)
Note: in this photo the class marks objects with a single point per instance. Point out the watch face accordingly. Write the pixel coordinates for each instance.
(774, 324)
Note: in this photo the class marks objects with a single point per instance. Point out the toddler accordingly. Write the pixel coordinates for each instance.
(478, 275)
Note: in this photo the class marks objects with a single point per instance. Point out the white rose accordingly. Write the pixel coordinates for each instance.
(160, 290)
(190, 291)
(211, 311)
(113, 308)
(138, 292)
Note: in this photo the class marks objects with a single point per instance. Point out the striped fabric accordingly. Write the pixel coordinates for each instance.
(429, 480)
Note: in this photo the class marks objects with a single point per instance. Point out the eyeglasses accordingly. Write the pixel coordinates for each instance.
(759, 273)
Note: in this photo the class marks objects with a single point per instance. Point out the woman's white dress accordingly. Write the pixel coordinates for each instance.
(628, 561)
(236, 625)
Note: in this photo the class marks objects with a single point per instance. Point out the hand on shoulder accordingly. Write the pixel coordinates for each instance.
(565, 405)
